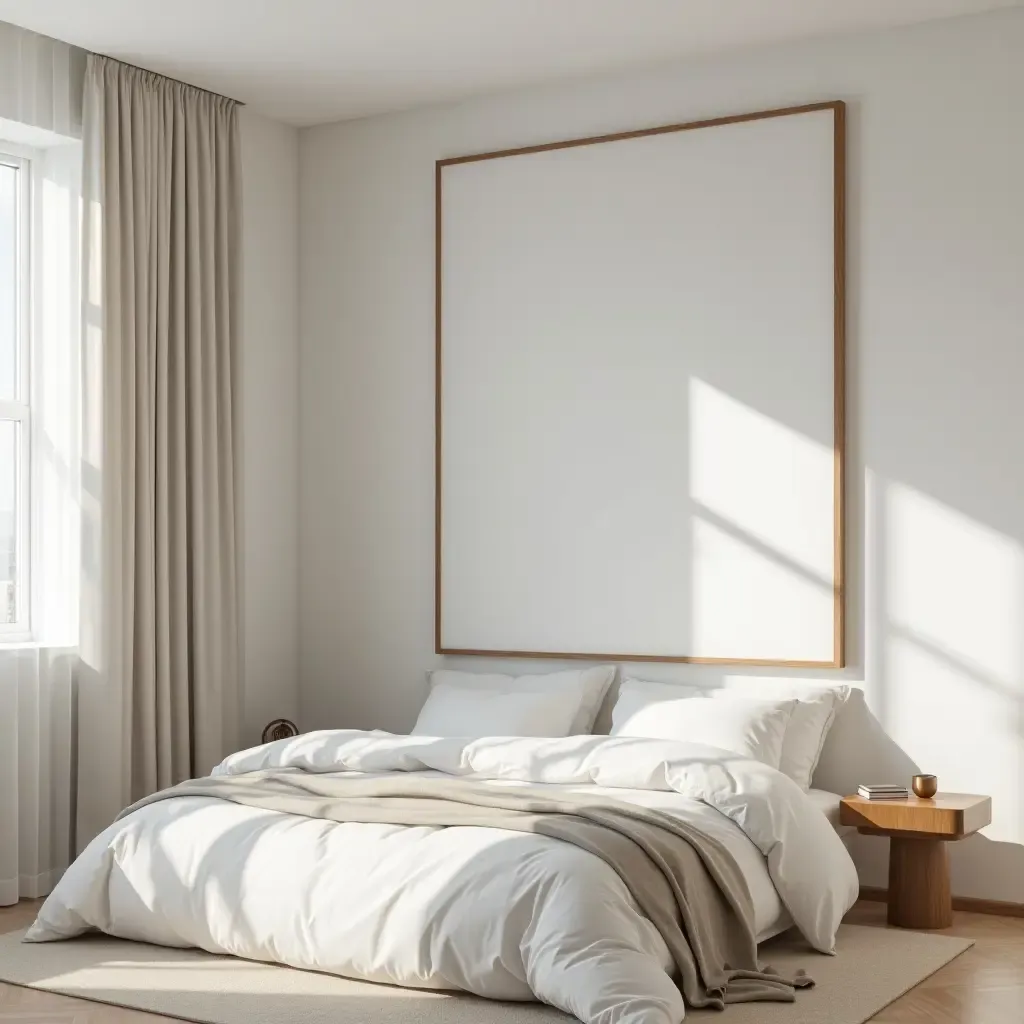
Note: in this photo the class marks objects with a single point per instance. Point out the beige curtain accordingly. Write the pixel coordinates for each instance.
(159, 687)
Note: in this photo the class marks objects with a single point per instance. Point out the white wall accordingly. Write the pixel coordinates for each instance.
(936, 265)
(270, 396)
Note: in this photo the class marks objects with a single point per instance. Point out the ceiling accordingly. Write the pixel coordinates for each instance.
(310, 61)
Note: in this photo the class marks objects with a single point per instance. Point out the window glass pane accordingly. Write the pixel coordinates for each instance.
(8, 520)
(8, 281)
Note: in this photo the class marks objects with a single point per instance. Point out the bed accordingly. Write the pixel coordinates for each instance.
(502, 913)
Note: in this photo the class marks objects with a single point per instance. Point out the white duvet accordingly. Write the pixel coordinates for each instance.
(502, 914)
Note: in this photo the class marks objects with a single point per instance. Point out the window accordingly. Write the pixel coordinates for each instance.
(15, 411)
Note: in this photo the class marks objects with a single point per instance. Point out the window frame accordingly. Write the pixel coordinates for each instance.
(19, 409)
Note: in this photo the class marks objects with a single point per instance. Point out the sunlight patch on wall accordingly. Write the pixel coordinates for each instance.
(763, 545)
(771, 482)
(954, 605)
(751, 604)
(954, 582)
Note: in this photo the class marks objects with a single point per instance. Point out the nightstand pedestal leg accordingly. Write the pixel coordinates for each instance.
(919, 883)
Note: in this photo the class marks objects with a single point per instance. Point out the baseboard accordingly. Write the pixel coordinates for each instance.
(969, 904)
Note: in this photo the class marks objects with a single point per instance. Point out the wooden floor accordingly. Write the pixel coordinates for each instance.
(983, 986)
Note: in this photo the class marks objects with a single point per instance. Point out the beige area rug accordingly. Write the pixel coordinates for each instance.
(874, 967)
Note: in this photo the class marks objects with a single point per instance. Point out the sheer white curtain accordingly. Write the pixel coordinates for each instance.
(36, 745)
(40, 89)
(41, 81)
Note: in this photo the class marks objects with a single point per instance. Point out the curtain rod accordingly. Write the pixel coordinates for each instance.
(160, 74)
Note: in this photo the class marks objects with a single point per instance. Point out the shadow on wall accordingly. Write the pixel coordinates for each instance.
(859, 750)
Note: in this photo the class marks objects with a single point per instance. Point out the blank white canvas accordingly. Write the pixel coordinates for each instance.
(638, 396)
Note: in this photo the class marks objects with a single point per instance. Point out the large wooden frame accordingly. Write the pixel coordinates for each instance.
(839, 399)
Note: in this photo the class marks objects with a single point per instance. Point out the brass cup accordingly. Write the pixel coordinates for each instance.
(925, 786)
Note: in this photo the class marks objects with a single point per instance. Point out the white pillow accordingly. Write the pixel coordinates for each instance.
(582, 689)
(752, 728)
(817, 705)
(453, 711)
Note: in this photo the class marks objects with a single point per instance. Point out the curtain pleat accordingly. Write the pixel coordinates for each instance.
(162, 175)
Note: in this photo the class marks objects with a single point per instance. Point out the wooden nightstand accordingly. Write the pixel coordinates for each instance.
(918, 831)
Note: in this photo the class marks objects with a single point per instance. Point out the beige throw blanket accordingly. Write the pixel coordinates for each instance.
(686, 883)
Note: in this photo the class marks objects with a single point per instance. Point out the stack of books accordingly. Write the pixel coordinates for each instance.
(886, 791)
